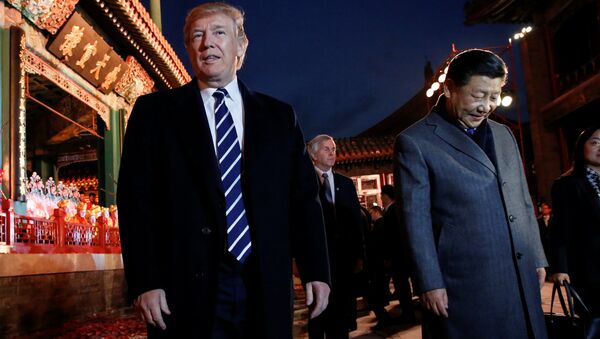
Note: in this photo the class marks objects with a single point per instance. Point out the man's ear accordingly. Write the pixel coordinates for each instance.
(449, 86)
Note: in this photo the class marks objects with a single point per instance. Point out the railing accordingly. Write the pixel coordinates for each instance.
(23, 234)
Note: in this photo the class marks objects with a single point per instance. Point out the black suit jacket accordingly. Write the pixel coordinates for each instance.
(172, 208)
(396, 248)
(343, 223)
(576, 235)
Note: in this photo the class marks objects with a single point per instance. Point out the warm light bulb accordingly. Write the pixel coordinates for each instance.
(442, 78)
(507, 100)
(435, 86)
(429, 93)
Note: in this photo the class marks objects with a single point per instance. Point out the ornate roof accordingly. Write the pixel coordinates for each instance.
(361, 149)
(131, 19)
(504, 11)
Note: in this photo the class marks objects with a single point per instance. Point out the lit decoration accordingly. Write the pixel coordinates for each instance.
(135, 81)
(22, 120)
(135, 13)
(436, 85)
(506, 100)
(46, 14)
(522, 33)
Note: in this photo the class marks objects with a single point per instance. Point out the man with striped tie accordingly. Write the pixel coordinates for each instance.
(240, 199)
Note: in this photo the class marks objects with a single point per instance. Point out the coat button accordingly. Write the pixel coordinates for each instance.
(512, 218)
(519, 255)
(206, 230)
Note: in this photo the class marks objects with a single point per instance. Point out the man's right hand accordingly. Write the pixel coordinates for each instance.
(151, 305)
(560, 277)
(436, 301)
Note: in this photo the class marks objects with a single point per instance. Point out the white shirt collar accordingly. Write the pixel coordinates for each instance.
(320, 172)
(233, 91)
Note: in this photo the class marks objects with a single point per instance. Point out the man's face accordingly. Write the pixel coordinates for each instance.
(475, 101)
(213, 49)
(546, 209)
(324, 158)
(591, 150)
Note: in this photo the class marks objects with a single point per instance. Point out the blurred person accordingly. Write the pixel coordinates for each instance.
(239, 199)
(378, 264)
(343, 224)
(397, 254)
(576, 236)
(466, 209)
(545, 226)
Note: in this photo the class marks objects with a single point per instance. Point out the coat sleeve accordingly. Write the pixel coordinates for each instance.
(309, 243)
(532, 224)
(412, 184)
(138, 222)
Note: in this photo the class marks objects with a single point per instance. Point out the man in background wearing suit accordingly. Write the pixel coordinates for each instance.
(472, 233)
(238, 199)
(545, 225)
(395, 247)
(341, 211)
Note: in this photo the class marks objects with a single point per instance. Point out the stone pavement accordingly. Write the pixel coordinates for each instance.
(127, 324)
(366, 320)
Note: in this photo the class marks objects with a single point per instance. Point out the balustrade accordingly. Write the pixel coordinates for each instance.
(25, 234)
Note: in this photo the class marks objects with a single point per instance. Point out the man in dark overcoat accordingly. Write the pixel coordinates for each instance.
(343, 224)
(473, 237)
(216, 195)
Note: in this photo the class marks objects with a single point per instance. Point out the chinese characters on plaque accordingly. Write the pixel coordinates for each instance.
(79, 46)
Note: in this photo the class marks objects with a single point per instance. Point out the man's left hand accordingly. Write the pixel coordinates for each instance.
(541, 275)
(317, 297)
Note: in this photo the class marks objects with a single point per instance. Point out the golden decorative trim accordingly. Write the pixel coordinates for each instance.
(34, 64)
(46, 14)
(135, 81)
(58, 15)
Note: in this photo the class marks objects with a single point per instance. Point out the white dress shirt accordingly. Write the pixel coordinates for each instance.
(236, 107)
(329, 178)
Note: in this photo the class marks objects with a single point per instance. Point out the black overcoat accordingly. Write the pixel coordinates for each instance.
(576, 236)
(172, 208)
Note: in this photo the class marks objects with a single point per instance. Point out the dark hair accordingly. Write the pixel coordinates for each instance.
(578, 160)
(389, 191)
(475, 62)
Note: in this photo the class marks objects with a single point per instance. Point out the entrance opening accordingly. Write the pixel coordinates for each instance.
(64, 136)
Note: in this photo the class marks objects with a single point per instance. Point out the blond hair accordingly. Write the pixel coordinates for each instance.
(211, 8)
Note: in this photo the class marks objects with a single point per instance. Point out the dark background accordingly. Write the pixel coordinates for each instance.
(343, 65)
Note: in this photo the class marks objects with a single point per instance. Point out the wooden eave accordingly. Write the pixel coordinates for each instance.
(129, 23)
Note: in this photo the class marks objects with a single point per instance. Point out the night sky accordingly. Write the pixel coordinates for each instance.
(343, 65)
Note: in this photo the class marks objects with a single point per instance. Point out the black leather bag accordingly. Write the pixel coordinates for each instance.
(567, 325)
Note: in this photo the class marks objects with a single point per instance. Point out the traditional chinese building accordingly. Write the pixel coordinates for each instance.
(368, 161)
(70, 72)
(561, 65)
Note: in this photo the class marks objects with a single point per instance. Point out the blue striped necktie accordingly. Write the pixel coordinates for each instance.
(230, 164)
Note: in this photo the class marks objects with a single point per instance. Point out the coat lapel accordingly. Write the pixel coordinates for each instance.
(196, 138)
(458, 140)
(253, 120)
(589, 193)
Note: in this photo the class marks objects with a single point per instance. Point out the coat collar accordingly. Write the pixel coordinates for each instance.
(455, 138)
